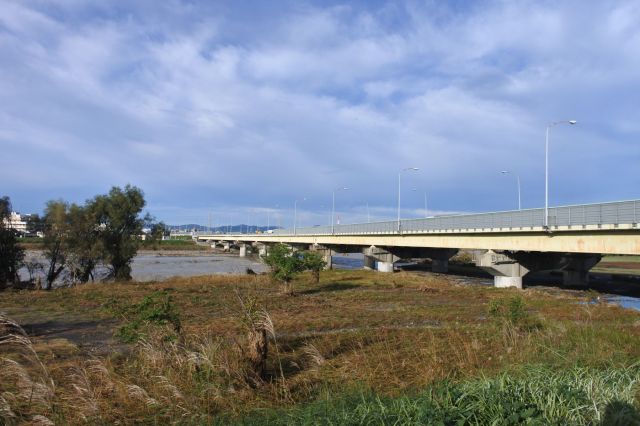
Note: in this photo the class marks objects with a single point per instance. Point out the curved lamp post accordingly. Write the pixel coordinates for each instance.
(546, 168)
(333, 207)
(506, 172)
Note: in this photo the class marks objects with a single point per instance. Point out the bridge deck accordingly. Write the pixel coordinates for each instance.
(606, 228)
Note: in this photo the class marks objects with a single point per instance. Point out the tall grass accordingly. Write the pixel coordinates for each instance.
(538, 395)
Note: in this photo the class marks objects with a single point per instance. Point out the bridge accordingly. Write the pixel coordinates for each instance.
(508, 244)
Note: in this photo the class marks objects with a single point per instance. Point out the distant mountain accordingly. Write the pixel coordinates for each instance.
(242, 228)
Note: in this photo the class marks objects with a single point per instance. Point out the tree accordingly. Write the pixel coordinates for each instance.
(120, 227)
(83, 240)
(11, 254)
(157, 231)
(56, 229)
(313, 262)
(284, 265)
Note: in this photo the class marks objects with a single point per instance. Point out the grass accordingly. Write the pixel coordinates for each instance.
(406, 343)
(537, 395)
(626, 265)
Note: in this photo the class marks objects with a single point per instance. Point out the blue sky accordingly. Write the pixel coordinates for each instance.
(239, 108)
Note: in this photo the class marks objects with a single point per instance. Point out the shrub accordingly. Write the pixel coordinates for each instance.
(313, 262)
(155, 309)
(284, 265)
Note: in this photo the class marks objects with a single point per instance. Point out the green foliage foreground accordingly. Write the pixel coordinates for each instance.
(537, 396)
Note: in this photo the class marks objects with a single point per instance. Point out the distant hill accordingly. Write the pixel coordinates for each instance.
(241, 228)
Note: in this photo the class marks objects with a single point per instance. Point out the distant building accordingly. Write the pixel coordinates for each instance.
(16, 222)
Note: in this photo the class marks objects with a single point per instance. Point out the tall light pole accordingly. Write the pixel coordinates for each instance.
(333, 207)
(399, 189)
(368, 215)
(546, 168)
(506, 172)
(295, 214)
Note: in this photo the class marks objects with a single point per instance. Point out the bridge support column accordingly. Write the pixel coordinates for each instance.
(576, 273)
(369, 262)
(226, 246)
(506, 271)
(327, 255)
(440, 259)
(243, 250)
(263, 250)
(385, 258)
(385, 266)
(440, 265)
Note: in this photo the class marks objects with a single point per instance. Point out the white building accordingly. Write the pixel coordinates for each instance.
(15, 222)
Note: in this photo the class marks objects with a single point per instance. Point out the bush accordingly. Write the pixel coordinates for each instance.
(284, 264)
(313, 262)
(512, 312)
(155, 309)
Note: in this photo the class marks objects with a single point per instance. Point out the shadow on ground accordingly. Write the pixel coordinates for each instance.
(331, 288)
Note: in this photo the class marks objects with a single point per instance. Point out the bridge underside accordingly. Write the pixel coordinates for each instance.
(507, 256)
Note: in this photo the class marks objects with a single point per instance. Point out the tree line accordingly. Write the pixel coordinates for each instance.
(105, 230)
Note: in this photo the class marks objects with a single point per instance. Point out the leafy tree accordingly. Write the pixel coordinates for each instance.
(11, 254)
(56, 229)
(120, 227)
(313, 262)
(84, 243)
(284, 265)
(157, 231)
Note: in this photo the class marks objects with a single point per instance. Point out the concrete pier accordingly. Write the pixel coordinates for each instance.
(385, 266)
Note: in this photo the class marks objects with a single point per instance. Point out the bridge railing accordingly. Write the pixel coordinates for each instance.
(613, 213)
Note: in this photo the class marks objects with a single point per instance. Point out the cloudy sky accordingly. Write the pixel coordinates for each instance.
(238, 108)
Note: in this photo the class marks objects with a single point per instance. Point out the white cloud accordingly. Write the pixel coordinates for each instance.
(178, 100)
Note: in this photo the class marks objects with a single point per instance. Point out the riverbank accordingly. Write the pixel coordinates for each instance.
(385, 336)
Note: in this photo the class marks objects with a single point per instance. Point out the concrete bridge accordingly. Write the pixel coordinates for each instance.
(508, 245)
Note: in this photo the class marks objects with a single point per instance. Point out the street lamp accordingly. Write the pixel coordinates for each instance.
(546, 168)
(399, 176)
(295, 214)
(506, 172)
(333, 207)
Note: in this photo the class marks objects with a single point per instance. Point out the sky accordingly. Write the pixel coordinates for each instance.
(230, 111)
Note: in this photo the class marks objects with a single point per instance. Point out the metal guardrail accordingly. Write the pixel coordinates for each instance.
(614, 213)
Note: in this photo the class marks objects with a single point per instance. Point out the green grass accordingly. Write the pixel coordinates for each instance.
(536, 395)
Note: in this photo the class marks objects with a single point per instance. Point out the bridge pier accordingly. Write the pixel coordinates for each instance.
(327, 255)
(243, 250)
(226, 246)
(385, 258)
(576, 272)
(385, 266)
(369, 262)
(440, 259)
(263, 250)
(506, 271)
